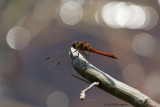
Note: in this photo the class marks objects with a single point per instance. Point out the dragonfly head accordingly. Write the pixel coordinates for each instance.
(74, 45)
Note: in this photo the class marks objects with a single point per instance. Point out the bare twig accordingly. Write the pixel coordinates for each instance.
(109, 84)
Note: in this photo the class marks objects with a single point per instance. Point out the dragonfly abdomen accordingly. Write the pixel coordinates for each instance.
(102, 53)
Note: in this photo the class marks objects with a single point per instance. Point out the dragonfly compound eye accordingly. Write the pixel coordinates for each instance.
(74, 45)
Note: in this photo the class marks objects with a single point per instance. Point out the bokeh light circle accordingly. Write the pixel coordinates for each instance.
(123, 15)
(57, 99)
(143, 44)
(108, 13)
(71, 12)
(18, 38)
(152, 18)
(159, 2)
(132, 17)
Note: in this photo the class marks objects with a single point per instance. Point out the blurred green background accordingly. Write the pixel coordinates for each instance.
(31, 30)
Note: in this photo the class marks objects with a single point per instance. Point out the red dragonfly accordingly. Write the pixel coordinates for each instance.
(84, 46)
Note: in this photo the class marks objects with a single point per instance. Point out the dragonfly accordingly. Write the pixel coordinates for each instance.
(83, 47)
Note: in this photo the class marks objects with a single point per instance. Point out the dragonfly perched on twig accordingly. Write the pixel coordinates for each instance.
(84, 46)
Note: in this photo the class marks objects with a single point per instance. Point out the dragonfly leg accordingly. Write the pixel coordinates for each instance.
(89, 56)
(85, 55)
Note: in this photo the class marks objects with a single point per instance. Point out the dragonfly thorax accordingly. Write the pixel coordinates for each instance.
(81, 45)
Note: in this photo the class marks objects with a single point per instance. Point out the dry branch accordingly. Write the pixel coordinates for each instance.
(108, 83)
